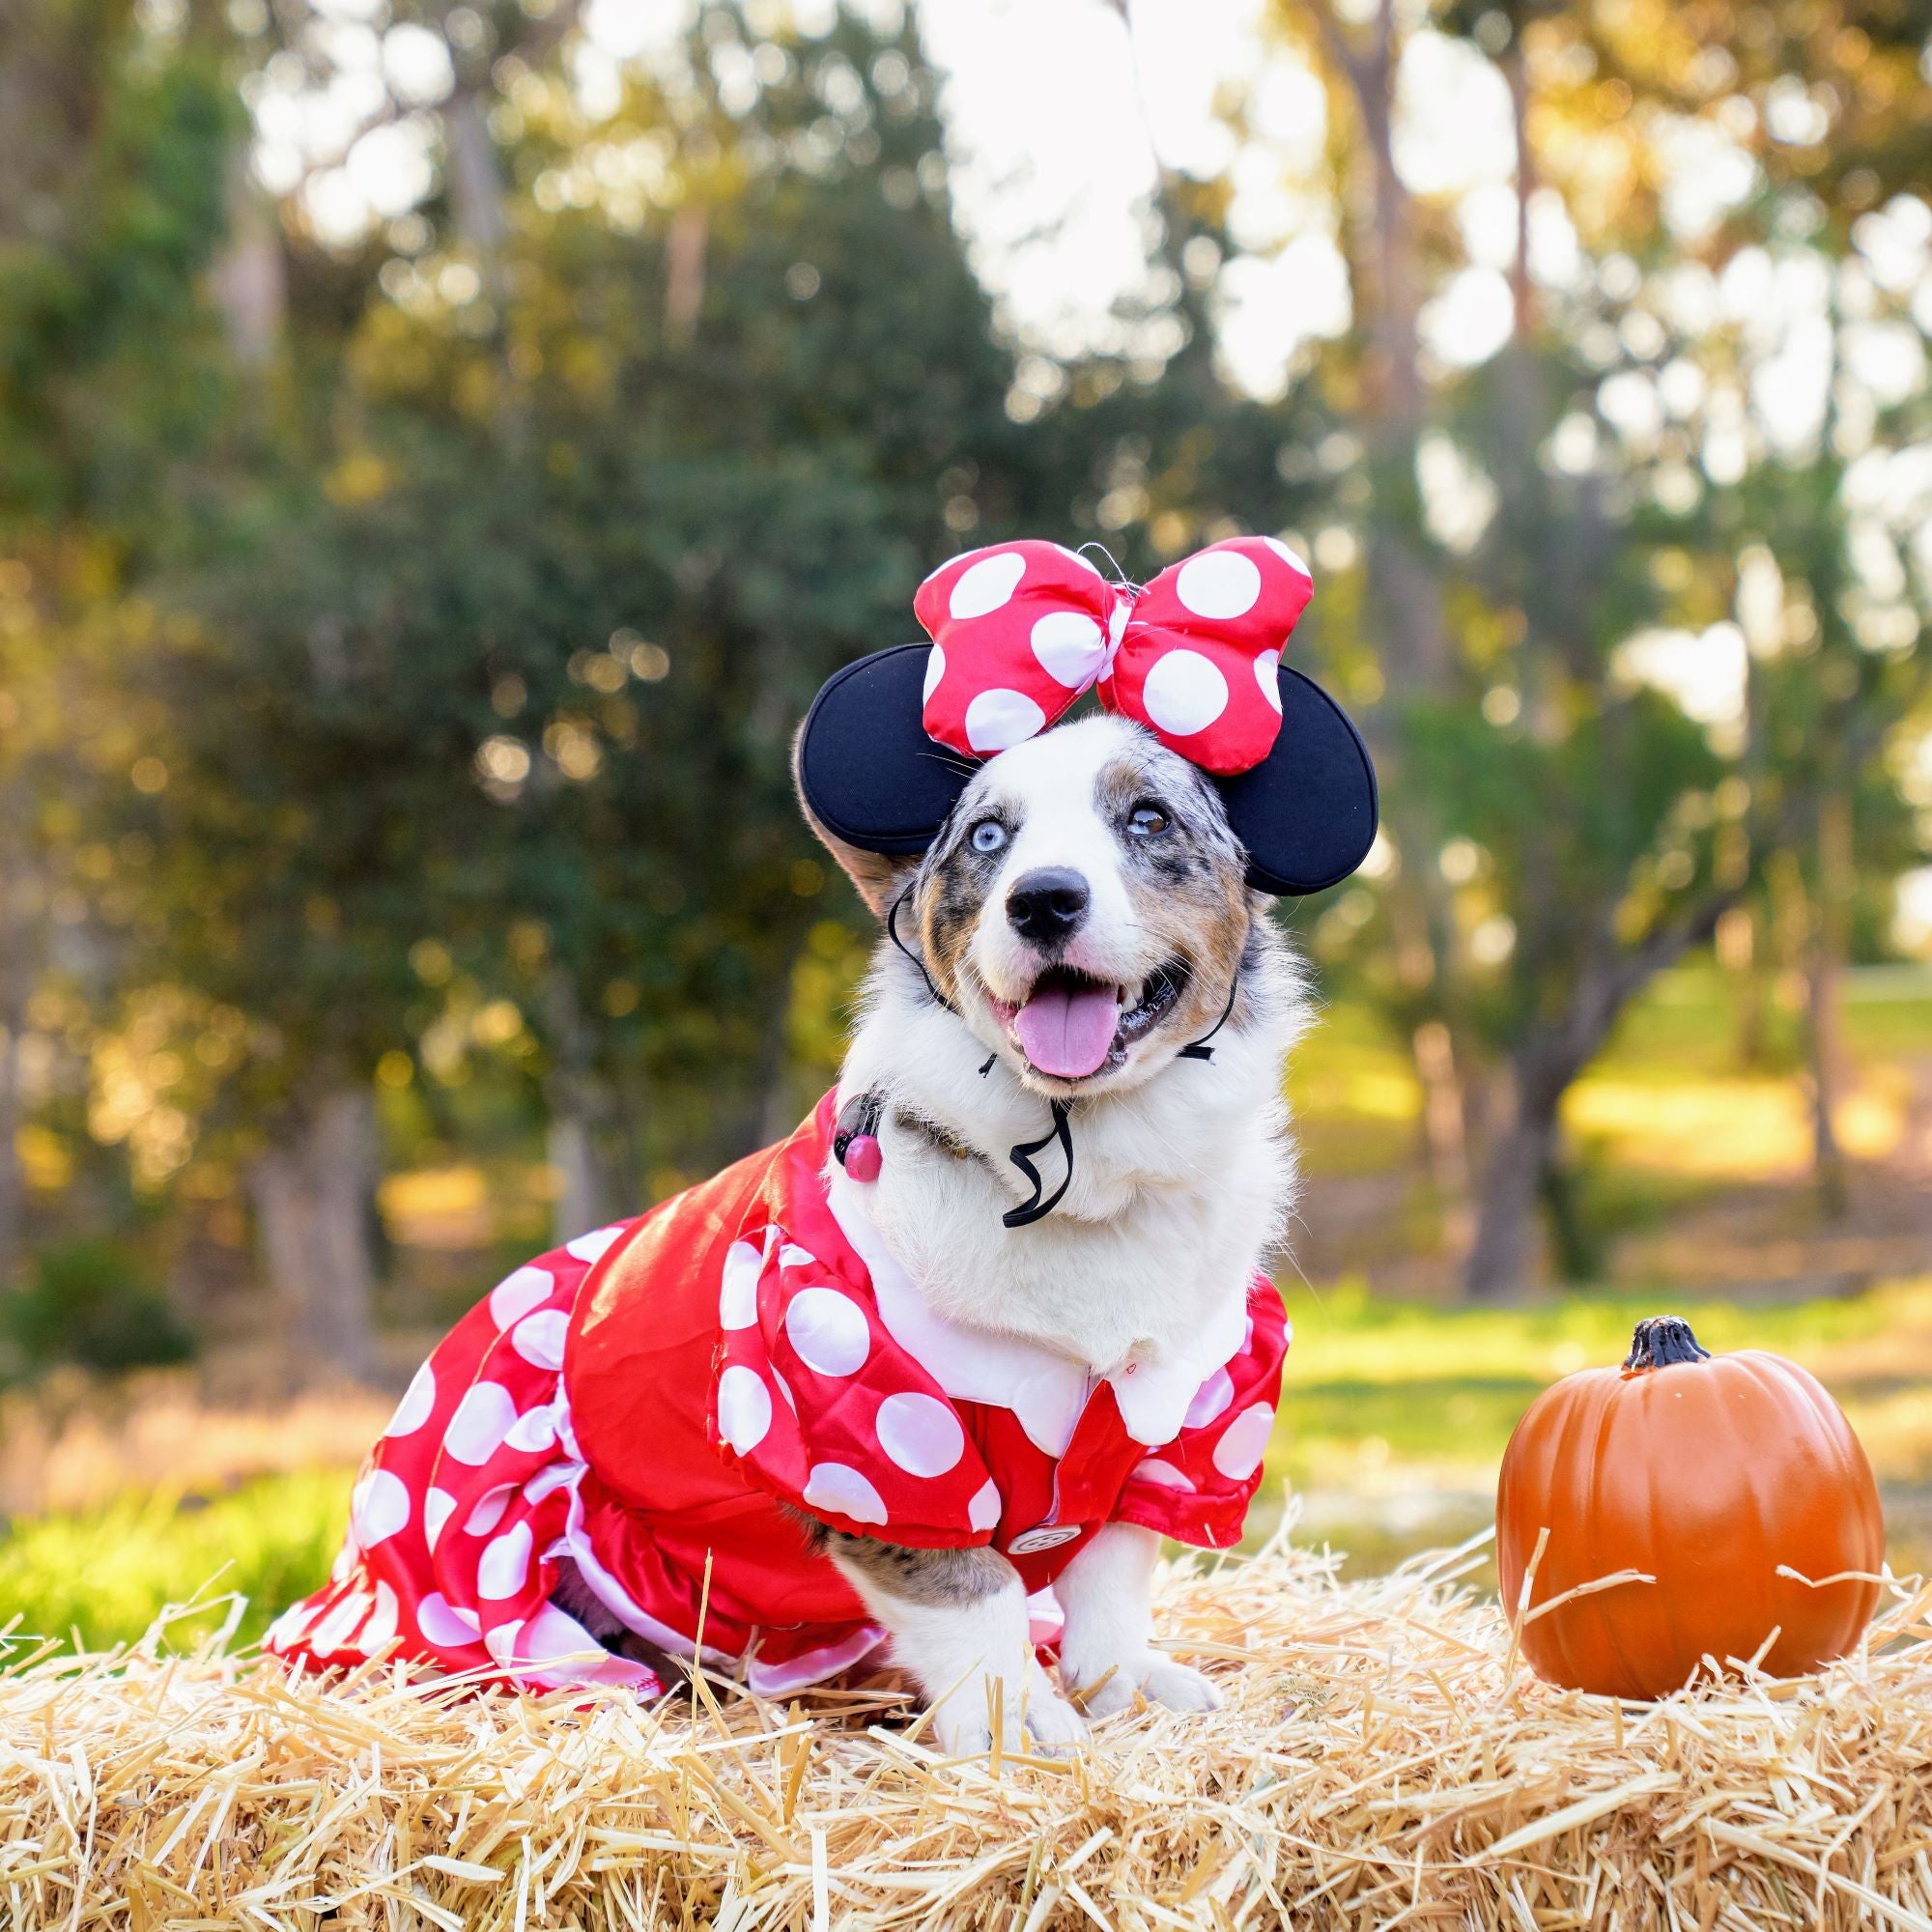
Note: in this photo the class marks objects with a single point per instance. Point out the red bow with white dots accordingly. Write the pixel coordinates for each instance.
(1020, 630)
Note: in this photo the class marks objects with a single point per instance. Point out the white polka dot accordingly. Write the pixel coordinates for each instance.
(347, 1558)
(1184, 692)
(1210, 1399)
(1268, 674)
(539, 1338)
(505, 1564)
(935, 669)
(743, 1408)
(834, 1487)
(592, 1248)
(1070, 647)
(516, 1295)
(287, 1629)
(1219, 584)
(501, 1641)
(999, 719)
(489, 1513)
(1244, 1443)
(986, 586)
(738, 1288)
(446, 1628)
(792, 1256)
(533, 1431)
(341, 1623)
(418, 1400)
(983, 1511)
(829, 1331)
(1289, 557)
(482, 1420)
(1163, 1476)
(379, 1507)
(379, 1632)
(437, 1508)
(784, 1389)
(554, 1638)
(920, 1433)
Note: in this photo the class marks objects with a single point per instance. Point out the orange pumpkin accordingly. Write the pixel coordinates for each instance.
(1709, 1474)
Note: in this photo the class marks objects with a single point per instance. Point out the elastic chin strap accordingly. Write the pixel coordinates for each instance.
(1042, 1203)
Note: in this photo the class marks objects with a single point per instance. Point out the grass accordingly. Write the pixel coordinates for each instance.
(1392, 1407)
(1393, 1419)
(1669, 1095)
(104, 1574)
(1378, 1391)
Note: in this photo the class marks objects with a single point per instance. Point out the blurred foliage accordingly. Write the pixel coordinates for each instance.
(89, 1304)
(403, 624)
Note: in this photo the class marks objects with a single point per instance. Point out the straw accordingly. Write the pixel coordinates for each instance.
(1383, 1759)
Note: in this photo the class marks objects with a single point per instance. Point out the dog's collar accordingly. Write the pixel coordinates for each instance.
(1045, 1389)
(1039, 1204)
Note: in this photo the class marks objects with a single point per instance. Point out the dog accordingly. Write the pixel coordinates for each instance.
(1088, 866)
(887, 1380)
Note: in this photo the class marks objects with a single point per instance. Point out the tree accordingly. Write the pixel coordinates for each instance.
(111, 152)
(1553, 539)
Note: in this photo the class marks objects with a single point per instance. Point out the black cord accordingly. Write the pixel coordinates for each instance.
(1199, 1049)
(893, 933)
(1037, 1208)
(1021, 1156)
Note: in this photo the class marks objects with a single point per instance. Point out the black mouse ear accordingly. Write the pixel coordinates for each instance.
(867, 771)
(1307, 812)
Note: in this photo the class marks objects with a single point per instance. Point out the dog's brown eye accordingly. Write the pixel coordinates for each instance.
(1146, 821)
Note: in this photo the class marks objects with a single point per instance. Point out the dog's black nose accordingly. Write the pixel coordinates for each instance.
(1048, 905)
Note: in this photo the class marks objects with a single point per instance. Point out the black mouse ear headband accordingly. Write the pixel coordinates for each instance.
(1019, 631)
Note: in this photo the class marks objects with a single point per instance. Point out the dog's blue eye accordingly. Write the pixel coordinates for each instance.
(988, 835)
(1148, 821)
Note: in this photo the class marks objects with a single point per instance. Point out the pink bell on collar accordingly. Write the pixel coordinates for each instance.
(855, 1139)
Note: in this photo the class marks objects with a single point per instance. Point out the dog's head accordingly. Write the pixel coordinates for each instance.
(1084, 908)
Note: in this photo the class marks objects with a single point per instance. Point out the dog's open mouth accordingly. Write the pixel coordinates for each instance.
(1071, 1025)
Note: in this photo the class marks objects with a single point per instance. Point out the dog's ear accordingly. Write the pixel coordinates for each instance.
(1307, 812)
(878, 877)
(873, 787)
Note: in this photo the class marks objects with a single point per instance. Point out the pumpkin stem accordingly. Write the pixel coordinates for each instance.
(1662, 1340)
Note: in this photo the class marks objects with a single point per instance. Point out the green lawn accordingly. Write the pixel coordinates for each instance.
(108, 1573)
(1388, 1403)
(1382, 1399)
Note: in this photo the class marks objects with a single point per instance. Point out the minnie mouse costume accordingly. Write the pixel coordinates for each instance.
(660, 1402)
(654, 1399)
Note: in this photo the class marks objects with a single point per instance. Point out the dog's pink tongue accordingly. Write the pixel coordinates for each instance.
(1068, 1033)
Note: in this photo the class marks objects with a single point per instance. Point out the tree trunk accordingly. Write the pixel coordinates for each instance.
(12, 1185)
(1445, 1129)
(587, 1141)
(591, 1189)
(312, 1191)
(1503, 1256)
(248, 282)
(1824, 1028)
(18, 925)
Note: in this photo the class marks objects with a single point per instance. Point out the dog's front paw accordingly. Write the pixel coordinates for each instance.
(1105, 1691)
(1053, 1724)
(1038, 1722)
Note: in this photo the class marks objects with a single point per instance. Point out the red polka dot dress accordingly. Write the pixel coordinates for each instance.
(651, 1402)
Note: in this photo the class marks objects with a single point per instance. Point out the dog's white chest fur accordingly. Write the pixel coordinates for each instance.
(1179, 1185)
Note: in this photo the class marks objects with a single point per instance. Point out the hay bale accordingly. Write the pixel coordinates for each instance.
(1383, 1760)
